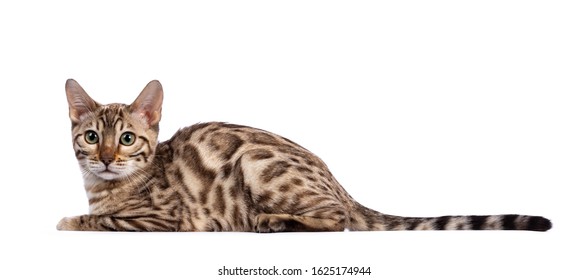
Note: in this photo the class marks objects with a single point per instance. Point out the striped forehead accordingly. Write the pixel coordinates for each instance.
(111, 116)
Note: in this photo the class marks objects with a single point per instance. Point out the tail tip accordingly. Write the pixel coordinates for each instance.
(538, 223)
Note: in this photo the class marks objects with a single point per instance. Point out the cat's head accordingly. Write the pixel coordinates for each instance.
(114, 141)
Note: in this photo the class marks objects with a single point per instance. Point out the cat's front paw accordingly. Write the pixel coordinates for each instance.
(67, 223)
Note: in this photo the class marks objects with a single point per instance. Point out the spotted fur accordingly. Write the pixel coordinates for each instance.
(218, 177)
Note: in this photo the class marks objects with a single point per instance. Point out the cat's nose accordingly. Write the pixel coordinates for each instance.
(106, 154)
(107, 160)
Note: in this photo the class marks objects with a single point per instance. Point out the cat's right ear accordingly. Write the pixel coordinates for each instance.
(80, 103)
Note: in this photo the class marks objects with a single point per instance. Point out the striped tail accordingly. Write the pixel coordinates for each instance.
(364, 218)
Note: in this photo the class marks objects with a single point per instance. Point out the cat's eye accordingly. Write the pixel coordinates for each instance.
(127, 138)
(91, 137)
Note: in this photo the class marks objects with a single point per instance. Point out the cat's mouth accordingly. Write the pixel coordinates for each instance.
(107, 174)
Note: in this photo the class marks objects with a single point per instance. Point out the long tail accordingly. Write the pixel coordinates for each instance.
(364, 218)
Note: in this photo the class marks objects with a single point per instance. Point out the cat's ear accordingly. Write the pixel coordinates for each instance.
(148, 105)
(80, 103)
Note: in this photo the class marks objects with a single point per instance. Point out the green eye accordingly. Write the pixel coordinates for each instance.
(127, 138)
(91, 137)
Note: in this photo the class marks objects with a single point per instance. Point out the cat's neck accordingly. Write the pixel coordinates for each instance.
(106, 196)
(95, 184)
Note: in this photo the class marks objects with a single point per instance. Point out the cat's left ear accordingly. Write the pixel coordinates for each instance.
(148, 105)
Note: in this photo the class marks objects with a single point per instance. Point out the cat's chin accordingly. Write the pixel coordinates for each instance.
(96, 176)
(108, 175)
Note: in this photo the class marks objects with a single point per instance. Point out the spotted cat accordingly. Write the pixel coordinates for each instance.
(218, 177)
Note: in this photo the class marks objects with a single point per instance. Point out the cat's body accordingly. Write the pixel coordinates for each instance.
(218, 177)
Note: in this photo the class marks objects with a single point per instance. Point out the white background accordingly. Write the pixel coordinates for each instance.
(420, 109)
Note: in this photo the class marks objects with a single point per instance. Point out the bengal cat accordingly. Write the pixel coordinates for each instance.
(218, 177)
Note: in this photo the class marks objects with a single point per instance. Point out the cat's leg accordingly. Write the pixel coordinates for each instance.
(114, 223)
(329, 220)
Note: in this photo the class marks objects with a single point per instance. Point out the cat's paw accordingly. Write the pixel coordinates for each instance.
(67, 223)
(265, 223)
